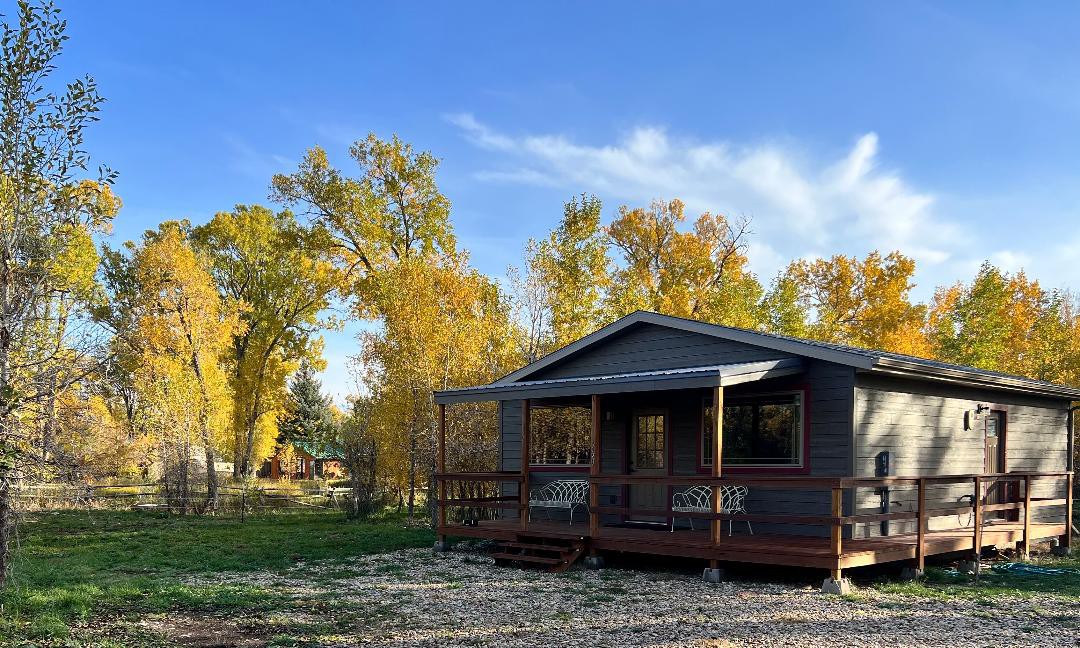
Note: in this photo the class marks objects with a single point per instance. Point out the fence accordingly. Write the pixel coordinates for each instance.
(232, 499)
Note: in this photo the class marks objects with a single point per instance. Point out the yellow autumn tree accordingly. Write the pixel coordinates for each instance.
(862, 302)
(183, 331)
(698, 274)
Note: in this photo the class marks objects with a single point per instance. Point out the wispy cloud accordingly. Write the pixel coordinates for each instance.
(800, 206)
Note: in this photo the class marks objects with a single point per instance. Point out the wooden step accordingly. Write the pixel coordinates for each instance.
(540, 560)
(536, 547)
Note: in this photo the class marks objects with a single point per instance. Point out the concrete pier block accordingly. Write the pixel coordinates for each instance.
(830, 586)
(911, 573)
(594, 562)
(441, 546)
(712, 575)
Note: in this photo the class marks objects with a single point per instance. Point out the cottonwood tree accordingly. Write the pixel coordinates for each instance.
(279, 271)
(389, 231)
(183, 331)
(47, 216)
(699, 274)
(862, 302)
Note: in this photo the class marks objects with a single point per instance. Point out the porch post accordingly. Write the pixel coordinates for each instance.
(976, 541)
(1066, 540)
(717, 455)
(836, 533)
(1027, 517)
(920, 534)
(594, 469)
(440, 468)
(524, 488)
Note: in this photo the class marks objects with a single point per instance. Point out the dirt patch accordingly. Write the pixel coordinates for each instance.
(202, 631)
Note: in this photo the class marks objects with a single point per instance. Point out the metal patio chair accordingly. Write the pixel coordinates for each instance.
(698, 499)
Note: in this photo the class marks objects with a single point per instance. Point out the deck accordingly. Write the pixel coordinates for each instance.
(994, 523)
(787, 550)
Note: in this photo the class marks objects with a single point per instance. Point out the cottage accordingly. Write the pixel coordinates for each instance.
(304, 460)
(666, 436)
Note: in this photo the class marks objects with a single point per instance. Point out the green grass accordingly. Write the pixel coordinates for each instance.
(993, 585)
(78, 566)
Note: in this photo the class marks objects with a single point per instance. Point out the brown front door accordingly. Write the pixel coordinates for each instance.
(994, 462)
(648, 456)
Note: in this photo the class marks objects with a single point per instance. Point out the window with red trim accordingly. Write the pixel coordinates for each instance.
(761, 430)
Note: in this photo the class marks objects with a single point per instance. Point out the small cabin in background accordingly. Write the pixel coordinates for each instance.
(305, 460)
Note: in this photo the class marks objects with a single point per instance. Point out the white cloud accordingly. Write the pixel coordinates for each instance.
(850, 204)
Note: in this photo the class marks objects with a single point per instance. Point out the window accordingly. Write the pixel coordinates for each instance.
(560, 436)
(762, 430)
(649, 441)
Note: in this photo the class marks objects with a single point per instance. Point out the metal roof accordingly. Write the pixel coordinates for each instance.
(861, 359)
(682, 378)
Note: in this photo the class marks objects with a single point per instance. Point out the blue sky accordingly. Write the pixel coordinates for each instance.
(948, 131)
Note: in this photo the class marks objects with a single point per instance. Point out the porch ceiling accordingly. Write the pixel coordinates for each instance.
(683, 378)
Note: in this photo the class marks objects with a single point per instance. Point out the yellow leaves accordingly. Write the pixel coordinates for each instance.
(680, 273)
(863, 302)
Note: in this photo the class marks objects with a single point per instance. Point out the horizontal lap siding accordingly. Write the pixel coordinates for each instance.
(922, 425)
(650, 347)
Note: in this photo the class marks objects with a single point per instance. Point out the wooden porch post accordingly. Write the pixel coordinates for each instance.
(440, 468)
(977, 535)
(1027, 517)
(920, 535)
(594, 469)
(717, 456)
(1066, 540)
(836, 532)
(524, 489)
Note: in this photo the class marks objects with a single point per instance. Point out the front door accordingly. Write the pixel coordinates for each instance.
(648, 456)
(994, 462)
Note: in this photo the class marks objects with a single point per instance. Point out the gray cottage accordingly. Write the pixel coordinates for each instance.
(667, 436)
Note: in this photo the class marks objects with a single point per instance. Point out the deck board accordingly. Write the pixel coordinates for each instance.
(788, 550)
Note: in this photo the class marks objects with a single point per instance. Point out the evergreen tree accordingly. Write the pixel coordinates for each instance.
(309, 416)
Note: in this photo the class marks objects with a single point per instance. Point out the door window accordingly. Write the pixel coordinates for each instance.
(649, 448)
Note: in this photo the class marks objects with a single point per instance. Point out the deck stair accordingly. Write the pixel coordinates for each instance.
(550, 554)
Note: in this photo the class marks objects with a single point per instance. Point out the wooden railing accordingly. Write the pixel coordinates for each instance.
(1023, 502)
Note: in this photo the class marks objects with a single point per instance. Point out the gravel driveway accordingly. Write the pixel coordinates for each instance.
(415, 598)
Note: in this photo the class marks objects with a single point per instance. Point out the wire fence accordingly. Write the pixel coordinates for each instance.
(239, 500)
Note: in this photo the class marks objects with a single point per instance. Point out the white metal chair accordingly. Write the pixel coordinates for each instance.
(566, 494)
(698, 499)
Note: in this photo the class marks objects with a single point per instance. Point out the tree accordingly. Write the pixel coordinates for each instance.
(183, 331)
(558, 294)
(700, 274)
(862, 302)
(308, 414)
(390, 234)
(1006, 323)
(280, 272)
(47, 216)
(361, 451)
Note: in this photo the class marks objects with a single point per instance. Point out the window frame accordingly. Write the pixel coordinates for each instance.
(560, 467)
(803, 443)
(663, 414)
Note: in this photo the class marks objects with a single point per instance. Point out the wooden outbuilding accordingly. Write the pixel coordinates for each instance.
(704, 441)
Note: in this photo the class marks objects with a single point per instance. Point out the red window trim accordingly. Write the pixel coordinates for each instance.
(772, 470)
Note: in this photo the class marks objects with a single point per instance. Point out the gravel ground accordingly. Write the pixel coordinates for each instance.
(415, 598)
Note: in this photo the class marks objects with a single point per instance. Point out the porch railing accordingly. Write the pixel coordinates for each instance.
(1018, 499)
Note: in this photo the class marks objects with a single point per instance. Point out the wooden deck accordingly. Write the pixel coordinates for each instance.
(788, 550)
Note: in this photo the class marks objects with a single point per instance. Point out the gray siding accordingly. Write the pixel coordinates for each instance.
(649, 347)
(922, 425)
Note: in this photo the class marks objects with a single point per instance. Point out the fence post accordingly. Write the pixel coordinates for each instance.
(243, 503)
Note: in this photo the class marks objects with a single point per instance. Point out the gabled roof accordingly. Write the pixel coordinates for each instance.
(861, 359)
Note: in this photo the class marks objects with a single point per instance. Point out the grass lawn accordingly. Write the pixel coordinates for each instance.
(996, 584)
(75, 567)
